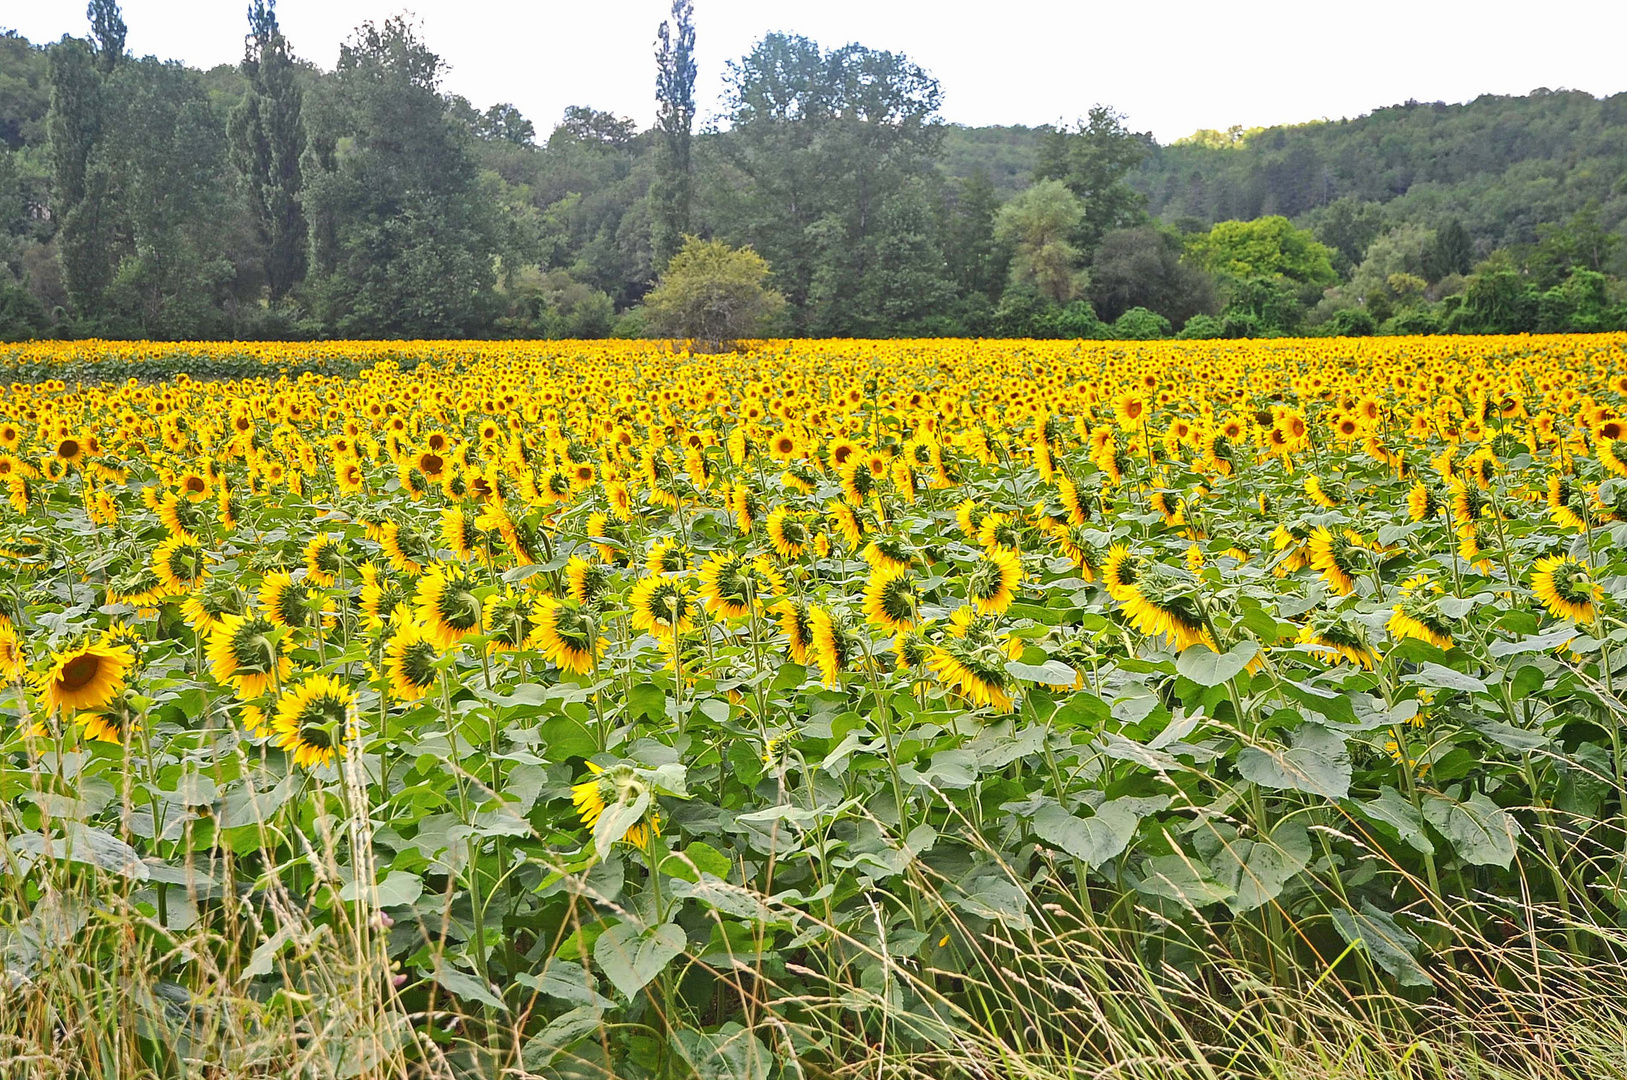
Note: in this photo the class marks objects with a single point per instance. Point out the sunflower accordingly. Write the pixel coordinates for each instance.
(969, 516)
(1422, 502)
(323, 560)
(1567, 503)
(662, 606)
(730, 585)
(405, 548)
(510, 621)
(180, 516)
(1335, 556)
(12, 660)
(975, 671)
(1163, 601)
(84, 677)
(113, 722)
(1565, 588)
(446, 605)
(618, 786)
(1119, 571)
(788, 532)
(846, 524)
(459, 532)
(992, 583)
(409, 663)
(587, 582)
(831, 645)
(1418, 616)
(667, 556)
(793, 616)
(311, 721)
(567, 635)
(292, 604)
(888, 552)
(890, 599)
(204, 608)
(1333, 636)
(380, 594)
(180, 565)
(241, 652)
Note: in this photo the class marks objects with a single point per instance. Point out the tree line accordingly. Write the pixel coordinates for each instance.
(273, 199)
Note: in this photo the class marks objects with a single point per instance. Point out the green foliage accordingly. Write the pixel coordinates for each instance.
(1268, 247)
(672, 190)
(403, 234)
(713, 294)
(1139, 324)
(1037, 226)
(267, 140)
(1092, 160)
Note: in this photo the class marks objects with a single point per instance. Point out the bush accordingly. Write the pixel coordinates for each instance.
(713, 294)
(1201, 327)
(1418, 321)
(1139, 324)
(1352, 322)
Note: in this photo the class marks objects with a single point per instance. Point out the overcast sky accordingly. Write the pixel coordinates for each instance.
(1173, 67)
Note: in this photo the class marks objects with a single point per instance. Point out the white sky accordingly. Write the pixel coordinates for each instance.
(1172, 66)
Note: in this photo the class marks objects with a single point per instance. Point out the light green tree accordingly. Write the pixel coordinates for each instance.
(714, 295)
(1264, 247)
(1037, 225)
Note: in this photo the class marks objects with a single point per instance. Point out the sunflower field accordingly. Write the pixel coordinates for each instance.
(907, 708)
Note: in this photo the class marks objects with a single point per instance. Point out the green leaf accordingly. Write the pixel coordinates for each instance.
(1178, 878)
(1205, 667)
(1481, 831)
(730, 1053)
(1553, 639)
(1387, 943)
(1392, 809)
(696, 859)
(566, 737)
(1317, 763)
(616, 819)
(646, 701)
(398, 889)
(563, 1032)
(1256, 870)
(1099, 838)
(1052, 672)
(1329, 703)
(631, 957)
(1444, 678)
(463, 985)
(567, 982)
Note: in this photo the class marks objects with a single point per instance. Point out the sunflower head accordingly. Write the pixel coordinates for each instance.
(1565, 587)
(85, 677)
(312, 720)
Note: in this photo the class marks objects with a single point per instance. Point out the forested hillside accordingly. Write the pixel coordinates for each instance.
(142, 198)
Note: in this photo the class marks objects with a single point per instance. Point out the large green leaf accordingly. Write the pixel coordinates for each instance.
(1183, 880)
(1206, 667)
(1389, 945)
(632, 956)
(1257, 870)
(1096, 839)
(1392, 809)
(1480, 831)
(1317, 763)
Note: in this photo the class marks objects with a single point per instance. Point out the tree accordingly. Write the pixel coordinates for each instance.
(1451, 253)
(404, 237)
(267, 141)
(1037, 225)
(1142, 267)
(1092, 160)
(670, 192)
(977, 261)
(713, 294)
(1582, 242)
(1499, 300)
(107, 33)
(908, 284)
(817, 142)
(79, 182)
(1265, 247)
